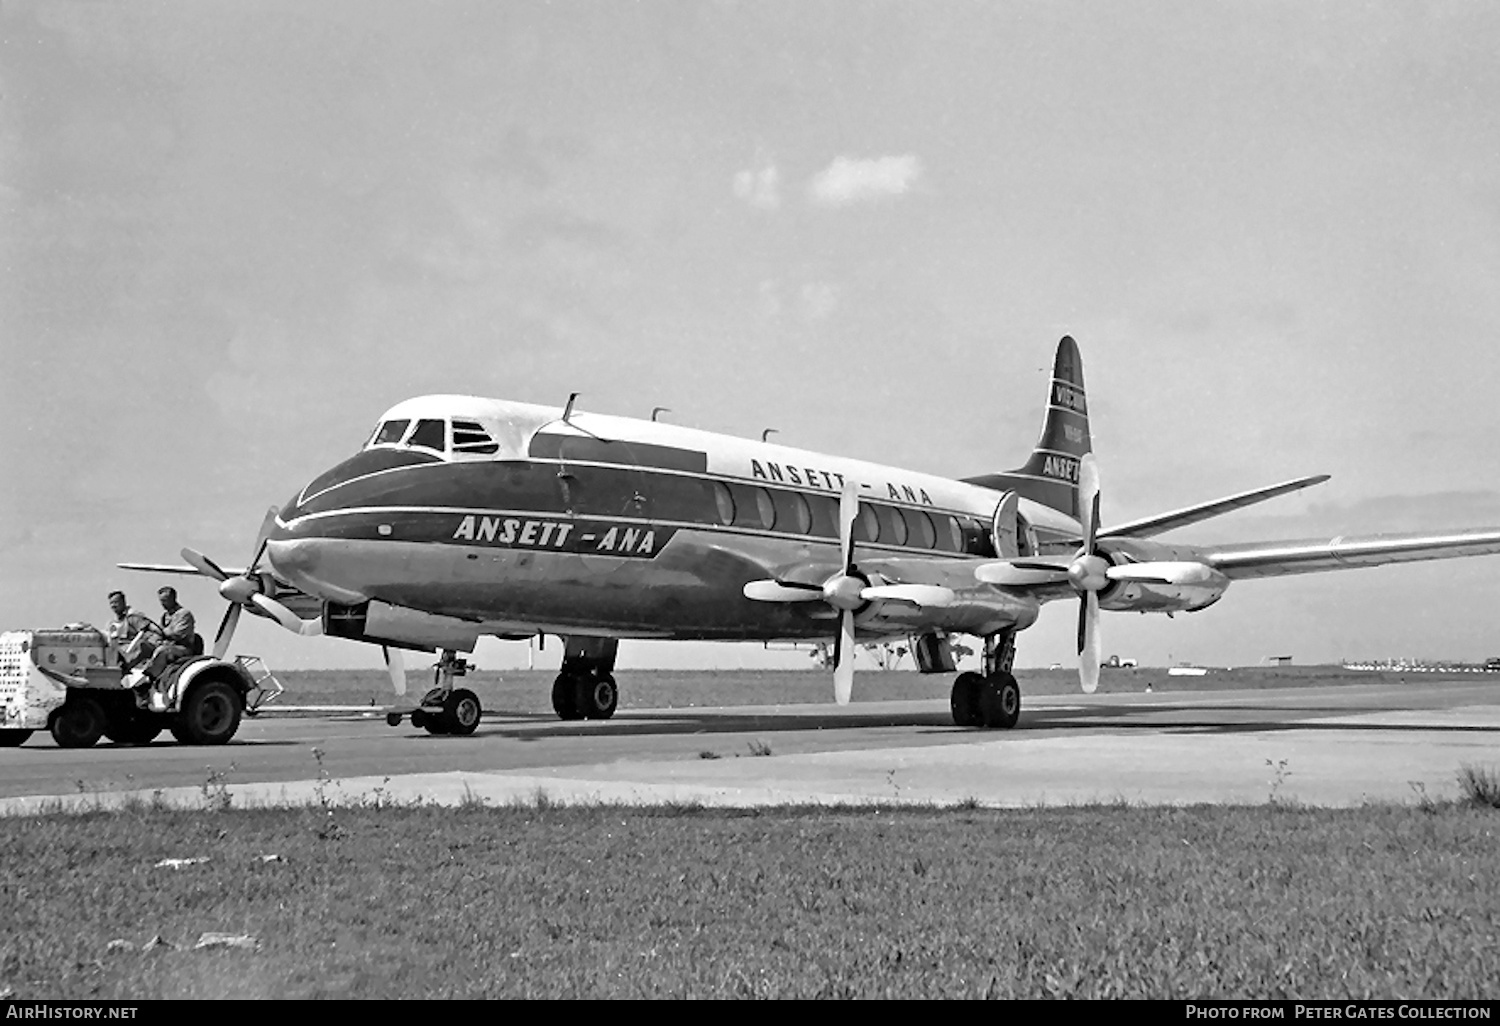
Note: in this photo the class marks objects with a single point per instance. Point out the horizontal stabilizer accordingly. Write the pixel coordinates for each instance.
(1163, 522)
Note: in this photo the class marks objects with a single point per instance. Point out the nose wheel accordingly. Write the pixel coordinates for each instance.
(445, 709)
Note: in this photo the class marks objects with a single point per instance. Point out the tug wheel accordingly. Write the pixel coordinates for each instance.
(210, 714)
(78, 724)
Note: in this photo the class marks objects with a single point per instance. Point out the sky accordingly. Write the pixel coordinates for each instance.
(232, 234)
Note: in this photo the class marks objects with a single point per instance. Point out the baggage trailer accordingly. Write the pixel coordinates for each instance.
(69, 683)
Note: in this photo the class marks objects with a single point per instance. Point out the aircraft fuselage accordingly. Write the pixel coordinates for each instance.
(505, 517)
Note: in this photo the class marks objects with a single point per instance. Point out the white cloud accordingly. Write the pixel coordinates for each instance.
(847, 181)
(759, 188)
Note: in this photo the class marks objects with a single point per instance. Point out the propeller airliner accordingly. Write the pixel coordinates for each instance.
(464, 517)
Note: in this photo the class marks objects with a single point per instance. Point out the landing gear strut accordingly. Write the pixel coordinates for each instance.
(585, 686)
(991, 699)
(445, 709)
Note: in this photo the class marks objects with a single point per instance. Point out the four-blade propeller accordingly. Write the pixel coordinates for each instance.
(248, 590)
(847, 591)
(1089, 572)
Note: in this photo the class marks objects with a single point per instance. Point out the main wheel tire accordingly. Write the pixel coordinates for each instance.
(598, 697)
(13, 738)
(1000, 701)
(78, 724)
(965, 700)
(210, 714)
(462, 711)
(564, 698)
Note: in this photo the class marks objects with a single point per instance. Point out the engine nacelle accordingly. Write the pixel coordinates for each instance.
(381, 623)
(1158, 596)
(978, 611)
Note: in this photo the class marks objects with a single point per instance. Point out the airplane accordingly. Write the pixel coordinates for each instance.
(463, 517)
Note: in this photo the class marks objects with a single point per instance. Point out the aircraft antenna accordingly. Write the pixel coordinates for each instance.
(767, 433)
(658, 409)
(568, 410)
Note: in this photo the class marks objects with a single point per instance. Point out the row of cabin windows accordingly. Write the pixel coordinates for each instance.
(776, 509)
(431, 433)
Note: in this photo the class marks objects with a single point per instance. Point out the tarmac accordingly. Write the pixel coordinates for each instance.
(1334, 746)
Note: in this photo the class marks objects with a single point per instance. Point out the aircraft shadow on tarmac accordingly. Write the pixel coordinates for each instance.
(500, 724)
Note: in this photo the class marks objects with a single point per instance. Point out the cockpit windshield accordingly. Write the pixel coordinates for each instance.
(467, 436)
(389, 433)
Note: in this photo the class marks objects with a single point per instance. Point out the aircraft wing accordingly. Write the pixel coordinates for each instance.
(1277, 559)
(1163, 522)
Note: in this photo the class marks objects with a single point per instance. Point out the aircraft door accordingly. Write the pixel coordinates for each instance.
(600, 477)
(1011, 534)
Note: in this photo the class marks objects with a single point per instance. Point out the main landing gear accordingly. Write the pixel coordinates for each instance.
(991, 699)
(445, 709)
(585, 687)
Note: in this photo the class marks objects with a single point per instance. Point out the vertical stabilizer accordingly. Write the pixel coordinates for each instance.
(1050, 476)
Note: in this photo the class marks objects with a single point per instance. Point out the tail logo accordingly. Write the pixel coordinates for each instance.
(1063, 468)
(1068, 397)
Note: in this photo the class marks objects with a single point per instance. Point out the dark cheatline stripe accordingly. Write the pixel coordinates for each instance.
(368, 462)
(601, 450)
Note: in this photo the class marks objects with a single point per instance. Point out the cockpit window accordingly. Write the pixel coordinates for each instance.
(430, 434)
(471, 437)
(390, 432)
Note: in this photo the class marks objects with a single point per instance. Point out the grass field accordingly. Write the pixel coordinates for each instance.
(536, 900)
(550, 902)
(529, 691)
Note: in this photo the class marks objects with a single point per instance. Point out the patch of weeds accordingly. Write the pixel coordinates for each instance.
(378, 798)
(1424, 800)
(1480, 785)
(968, 804)
(759, 747)
(215, 788)
(707, 754)
(540, 800)
(683, 807)
(329, 829)
(470, 800)
(1279, 772)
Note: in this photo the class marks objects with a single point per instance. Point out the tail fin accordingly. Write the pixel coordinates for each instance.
(1050, 476)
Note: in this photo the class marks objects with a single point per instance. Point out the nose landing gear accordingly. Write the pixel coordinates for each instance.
(445, 709)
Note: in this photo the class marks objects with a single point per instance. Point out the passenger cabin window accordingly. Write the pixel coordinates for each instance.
(471, 437)
(430, 434)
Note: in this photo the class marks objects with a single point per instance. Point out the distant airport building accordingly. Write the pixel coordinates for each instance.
(1278, 660)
